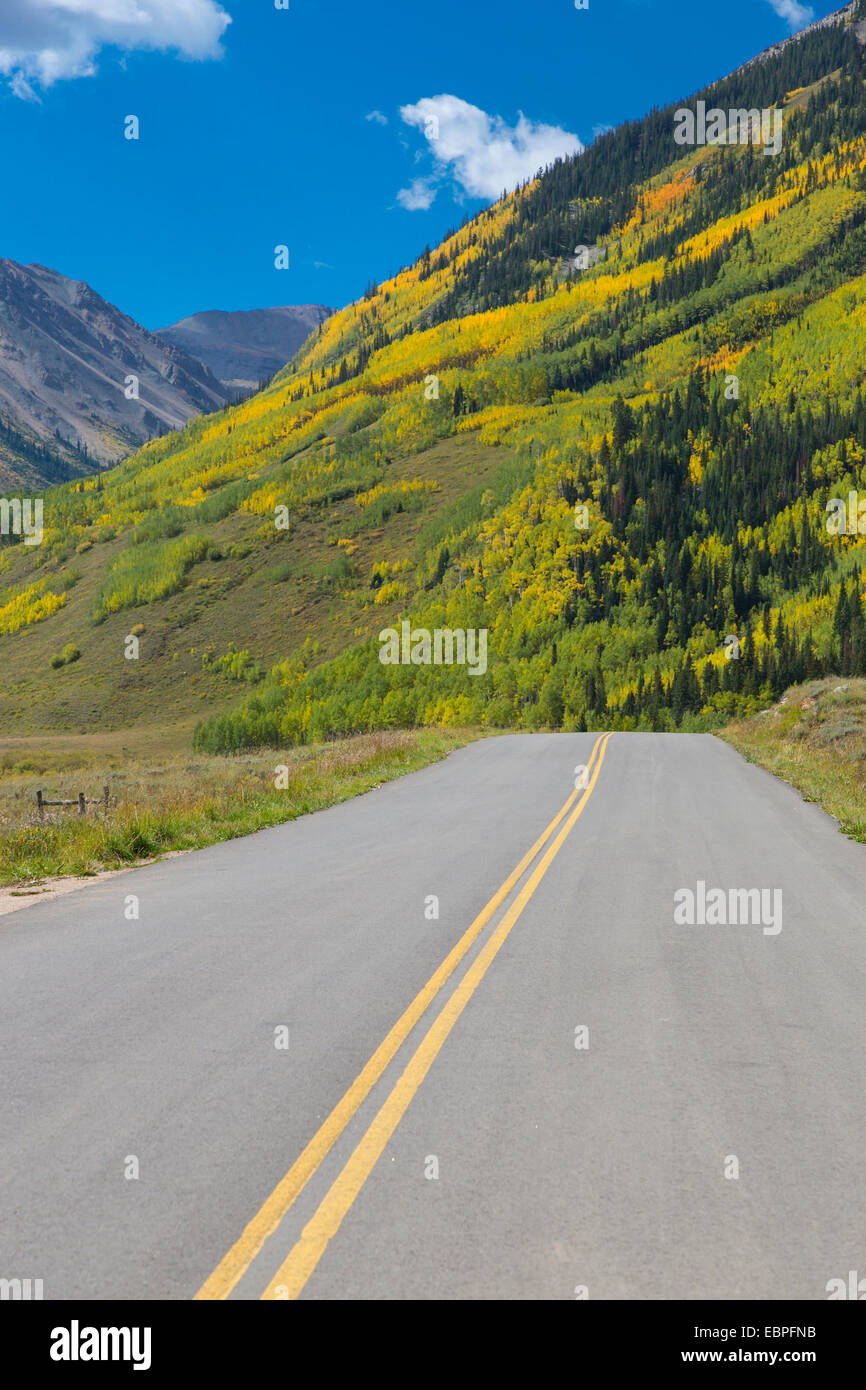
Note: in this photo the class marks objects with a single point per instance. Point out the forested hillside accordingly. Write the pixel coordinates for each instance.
(621, 472)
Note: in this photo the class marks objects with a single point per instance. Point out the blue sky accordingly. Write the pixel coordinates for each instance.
(308, 127)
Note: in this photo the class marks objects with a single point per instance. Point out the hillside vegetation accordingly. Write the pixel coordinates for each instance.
(815, 738)
(620, 472)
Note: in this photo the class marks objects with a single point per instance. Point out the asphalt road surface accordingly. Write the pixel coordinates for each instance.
(290, 1078)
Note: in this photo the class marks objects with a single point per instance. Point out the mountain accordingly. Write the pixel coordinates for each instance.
(246, 347)
(618, 466)
(65, 357)
(849, 15)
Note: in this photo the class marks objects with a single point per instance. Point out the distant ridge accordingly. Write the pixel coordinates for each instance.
(65, 358)
(246, 346)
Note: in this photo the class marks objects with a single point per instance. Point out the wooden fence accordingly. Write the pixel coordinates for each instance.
(81, 801)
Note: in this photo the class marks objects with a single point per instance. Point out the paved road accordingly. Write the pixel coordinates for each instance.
(560, 1167)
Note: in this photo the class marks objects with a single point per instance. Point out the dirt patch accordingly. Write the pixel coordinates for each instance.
(26, 894)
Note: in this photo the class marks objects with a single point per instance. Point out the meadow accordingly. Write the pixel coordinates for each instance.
(164, 799)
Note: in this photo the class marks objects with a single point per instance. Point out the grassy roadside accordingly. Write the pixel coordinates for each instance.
(815, 738)
(178, 800)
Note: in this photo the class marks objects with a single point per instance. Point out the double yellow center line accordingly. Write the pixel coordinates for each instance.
(324, 1224)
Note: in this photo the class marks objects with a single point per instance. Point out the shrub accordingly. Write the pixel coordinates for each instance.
(277, 574)
(69, 654)
(234, 665)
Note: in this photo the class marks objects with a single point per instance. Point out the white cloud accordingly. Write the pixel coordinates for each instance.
(377, 117)
(482, 153)
(793, 12)
(21, 87)
(419, 196)
(48, 40)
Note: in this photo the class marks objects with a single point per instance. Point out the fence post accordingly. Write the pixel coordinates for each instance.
(81, 803)
(105, 789)
(39, 805)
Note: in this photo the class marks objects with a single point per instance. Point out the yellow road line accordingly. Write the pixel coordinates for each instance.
(296, 1269)
(238, 1259)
